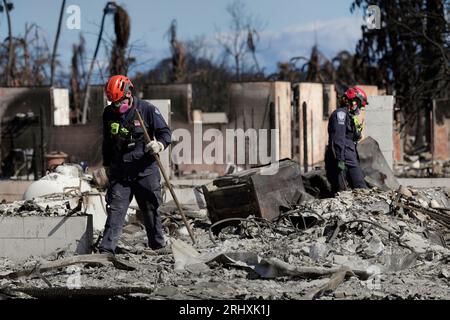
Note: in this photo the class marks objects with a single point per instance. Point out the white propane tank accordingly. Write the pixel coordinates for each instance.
(65, 179)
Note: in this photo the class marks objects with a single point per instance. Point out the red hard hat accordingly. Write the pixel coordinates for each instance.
(361, 94)
(357, 93)
(117, 87)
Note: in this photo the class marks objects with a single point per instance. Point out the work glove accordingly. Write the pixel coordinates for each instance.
(101, 177)
(341, 165)
(154, 147)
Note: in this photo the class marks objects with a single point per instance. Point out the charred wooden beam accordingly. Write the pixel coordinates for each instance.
(86, 258)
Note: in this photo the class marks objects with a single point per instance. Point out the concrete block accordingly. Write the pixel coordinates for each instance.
(52, 244)
(263, 105)
(81, 232)
(11, 190)
(76, 227)
(40, 236)
(379, 124)
(11, 227)
(180, 96)
(36, 227)
(60, 100)
(379, 131)
(387, 154)
(186, 196)
(282, 93)
(95, 206)
(376, 117)
(18, 249)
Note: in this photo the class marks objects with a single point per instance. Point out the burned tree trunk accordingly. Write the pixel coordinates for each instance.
(119, 63)
(252, 38)
(178, 55)
(9, 75)
(75, 81)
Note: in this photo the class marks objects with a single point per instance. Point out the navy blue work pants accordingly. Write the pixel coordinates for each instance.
(352, 177)
(147, 191)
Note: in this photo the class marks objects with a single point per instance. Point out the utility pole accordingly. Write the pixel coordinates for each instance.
(55, 44)
(42, 145)
(109, 8)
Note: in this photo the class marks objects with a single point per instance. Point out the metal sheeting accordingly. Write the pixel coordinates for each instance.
(255, 192)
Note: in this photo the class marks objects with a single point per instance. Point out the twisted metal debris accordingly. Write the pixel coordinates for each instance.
(361, 244)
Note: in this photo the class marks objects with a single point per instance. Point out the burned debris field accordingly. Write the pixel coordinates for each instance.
(361, 244)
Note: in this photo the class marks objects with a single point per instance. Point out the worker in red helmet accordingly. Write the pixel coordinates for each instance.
(130, 162)
(344, 131)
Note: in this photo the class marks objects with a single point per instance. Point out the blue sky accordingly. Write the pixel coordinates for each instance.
(291, 27)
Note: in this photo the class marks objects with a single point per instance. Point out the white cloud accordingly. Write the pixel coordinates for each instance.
(297, 40)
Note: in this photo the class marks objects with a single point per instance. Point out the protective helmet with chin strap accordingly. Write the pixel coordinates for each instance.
(356, 94)
(117, 88)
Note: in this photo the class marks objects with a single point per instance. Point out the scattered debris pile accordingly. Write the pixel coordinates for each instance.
(55, 206)
(362, 244)
(423, 165)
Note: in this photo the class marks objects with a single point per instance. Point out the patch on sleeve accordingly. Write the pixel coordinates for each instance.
(341, 117)
(157, 111)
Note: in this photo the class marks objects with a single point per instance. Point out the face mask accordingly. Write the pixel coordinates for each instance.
(354, 109)
(123, 108)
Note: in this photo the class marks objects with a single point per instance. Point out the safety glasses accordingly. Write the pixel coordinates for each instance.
(119, 102)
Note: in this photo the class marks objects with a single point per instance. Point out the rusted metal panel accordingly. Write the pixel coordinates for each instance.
(251, 193)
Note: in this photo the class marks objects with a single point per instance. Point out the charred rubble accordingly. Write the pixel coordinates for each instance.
(361, 244)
